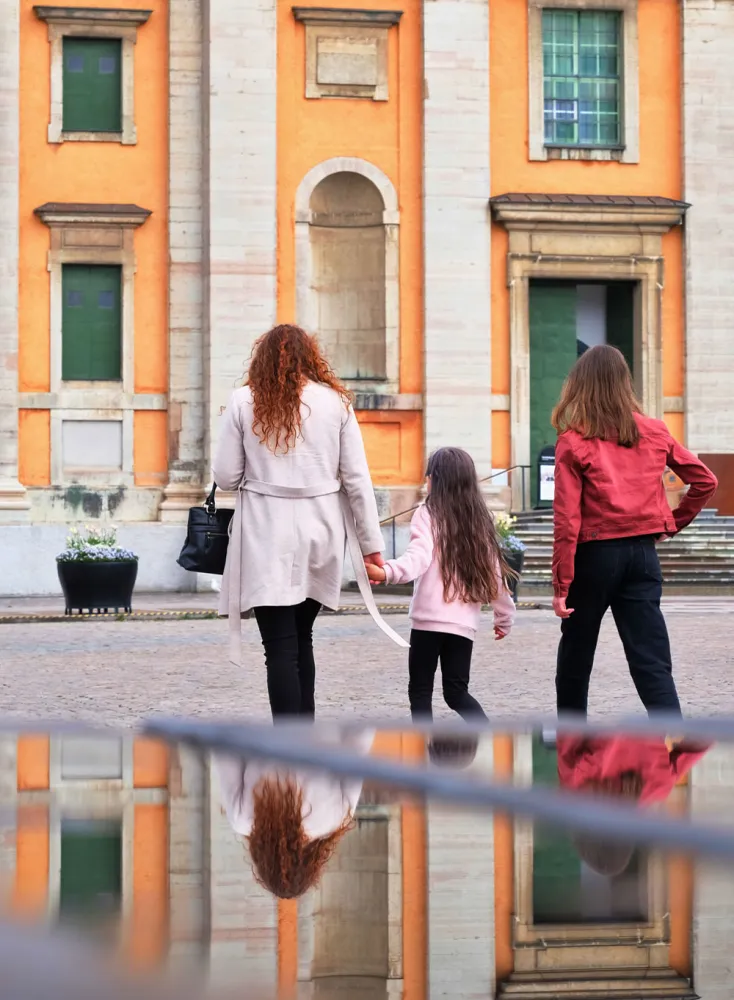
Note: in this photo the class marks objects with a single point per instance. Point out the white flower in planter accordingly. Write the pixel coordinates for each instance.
(97, 544)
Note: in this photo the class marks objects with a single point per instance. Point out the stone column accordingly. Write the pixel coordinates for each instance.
(461, 962)
(708, 104)
(240, 191)
(458, 384)
(8, 822)
(14, 504)
(187, 466)
(244, 917)
(188, 880)
(712, 801)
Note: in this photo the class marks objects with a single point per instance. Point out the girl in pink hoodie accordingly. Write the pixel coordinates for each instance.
(456, 561)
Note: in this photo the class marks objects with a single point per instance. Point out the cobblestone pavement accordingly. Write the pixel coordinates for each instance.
(120, 672)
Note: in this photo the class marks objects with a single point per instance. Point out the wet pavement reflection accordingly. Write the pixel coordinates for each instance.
(230, 871)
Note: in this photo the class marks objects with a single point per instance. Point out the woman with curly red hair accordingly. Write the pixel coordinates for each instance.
(292, 820)
(291, 446)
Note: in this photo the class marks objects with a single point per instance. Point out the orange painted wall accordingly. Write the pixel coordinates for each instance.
(150, 764)
(30, 897)
(150, 447)
(387, 134)
(149, 921)
(33, 763)
(657, 173)
(94, 172)
(504, 867)
(34, 447)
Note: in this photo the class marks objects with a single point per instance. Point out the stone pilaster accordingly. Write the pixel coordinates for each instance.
(8, 823)
(243, 945)
(188, 880)
(712, 801)
(461, 962)
(708, 106)
(240, 190)
(458, 400)
(187, 471)
(14, 504)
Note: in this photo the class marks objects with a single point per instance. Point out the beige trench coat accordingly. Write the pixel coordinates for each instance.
(292, 549)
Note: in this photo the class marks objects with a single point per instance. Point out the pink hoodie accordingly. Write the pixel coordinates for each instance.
(429, 612)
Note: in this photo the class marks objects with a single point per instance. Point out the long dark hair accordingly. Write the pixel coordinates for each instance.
(598, 399)
(469, 551)
(283, 360)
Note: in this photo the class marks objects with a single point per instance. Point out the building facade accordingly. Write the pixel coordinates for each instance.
(128, 842)
(457, 197)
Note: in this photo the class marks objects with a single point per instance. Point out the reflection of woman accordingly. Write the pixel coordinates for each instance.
(290, 444)
(292, 819)
(645, 770)
(641, 771)
(609, 509)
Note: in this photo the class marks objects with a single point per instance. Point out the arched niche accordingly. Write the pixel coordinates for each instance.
(347, 270)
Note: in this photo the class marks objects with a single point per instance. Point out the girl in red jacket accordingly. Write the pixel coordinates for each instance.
(609, 510)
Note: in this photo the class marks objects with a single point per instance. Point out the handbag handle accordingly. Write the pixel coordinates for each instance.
(211, 507)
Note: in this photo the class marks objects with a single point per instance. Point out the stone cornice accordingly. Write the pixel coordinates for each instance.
(59, 213)
(558, 212)
(99, 15)
(347, 16)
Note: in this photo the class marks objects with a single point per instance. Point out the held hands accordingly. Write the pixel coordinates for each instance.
(559, 608)
(374, 563)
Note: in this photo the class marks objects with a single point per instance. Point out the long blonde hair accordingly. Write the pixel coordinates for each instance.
(598, 399)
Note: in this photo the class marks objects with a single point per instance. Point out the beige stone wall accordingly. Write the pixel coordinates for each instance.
(708, 109)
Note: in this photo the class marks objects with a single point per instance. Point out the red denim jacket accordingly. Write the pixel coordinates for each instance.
(603, 490)
(598, 758)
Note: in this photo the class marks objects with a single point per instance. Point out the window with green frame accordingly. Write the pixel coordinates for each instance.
(92, 85)
(91, 323)
(582, 77)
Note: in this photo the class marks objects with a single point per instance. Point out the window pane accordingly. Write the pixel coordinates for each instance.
(581, 62)
(92, 85)
(91, 323)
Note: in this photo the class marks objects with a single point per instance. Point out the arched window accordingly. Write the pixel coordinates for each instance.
(347, 264)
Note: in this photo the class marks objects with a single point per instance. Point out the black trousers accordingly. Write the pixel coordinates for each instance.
(622, 574)
(454, 652)
(287, 635)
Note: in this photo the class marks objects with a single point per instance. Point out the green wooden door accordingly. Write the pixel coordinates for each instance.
(91, 868)
(91, 323)
(92, 94)
(552, 355)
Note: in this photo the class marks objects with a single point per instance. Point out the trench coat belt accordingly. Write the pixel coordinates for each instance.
(355, 553)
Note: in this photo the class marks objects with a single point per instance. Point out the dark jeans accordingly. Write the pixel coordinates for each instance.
(287, 637)
(622, 574)
(454, 652)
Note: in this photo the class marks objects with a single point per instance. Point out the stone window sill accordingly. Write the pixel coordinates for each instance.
(596, 153)
(97, 137)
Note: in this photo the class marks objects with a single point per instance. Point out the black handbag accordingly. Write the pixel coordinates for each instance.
(207, 537)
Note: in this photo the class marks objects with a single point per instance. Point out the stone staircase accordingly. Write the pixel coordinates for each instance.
(699, 560)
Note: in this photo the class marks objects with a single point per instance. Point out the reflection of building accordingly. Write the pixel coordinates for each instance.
(118, 835)
(456, 196)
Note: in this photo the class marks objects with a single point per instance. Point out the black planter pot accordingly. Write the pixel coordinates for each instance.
(98, 586)
(515, 560)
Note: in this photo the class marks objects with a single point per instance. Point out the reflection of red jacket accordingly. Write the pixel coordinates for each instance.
(600, 758)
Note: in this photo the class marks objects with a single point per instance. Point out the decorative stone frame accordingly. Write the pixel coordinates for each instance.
(644, 946)
(305, 304)
(344, 29)
(629, 150)
(584, 238)
(92, 234)
(92, 22)
(392, 814)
